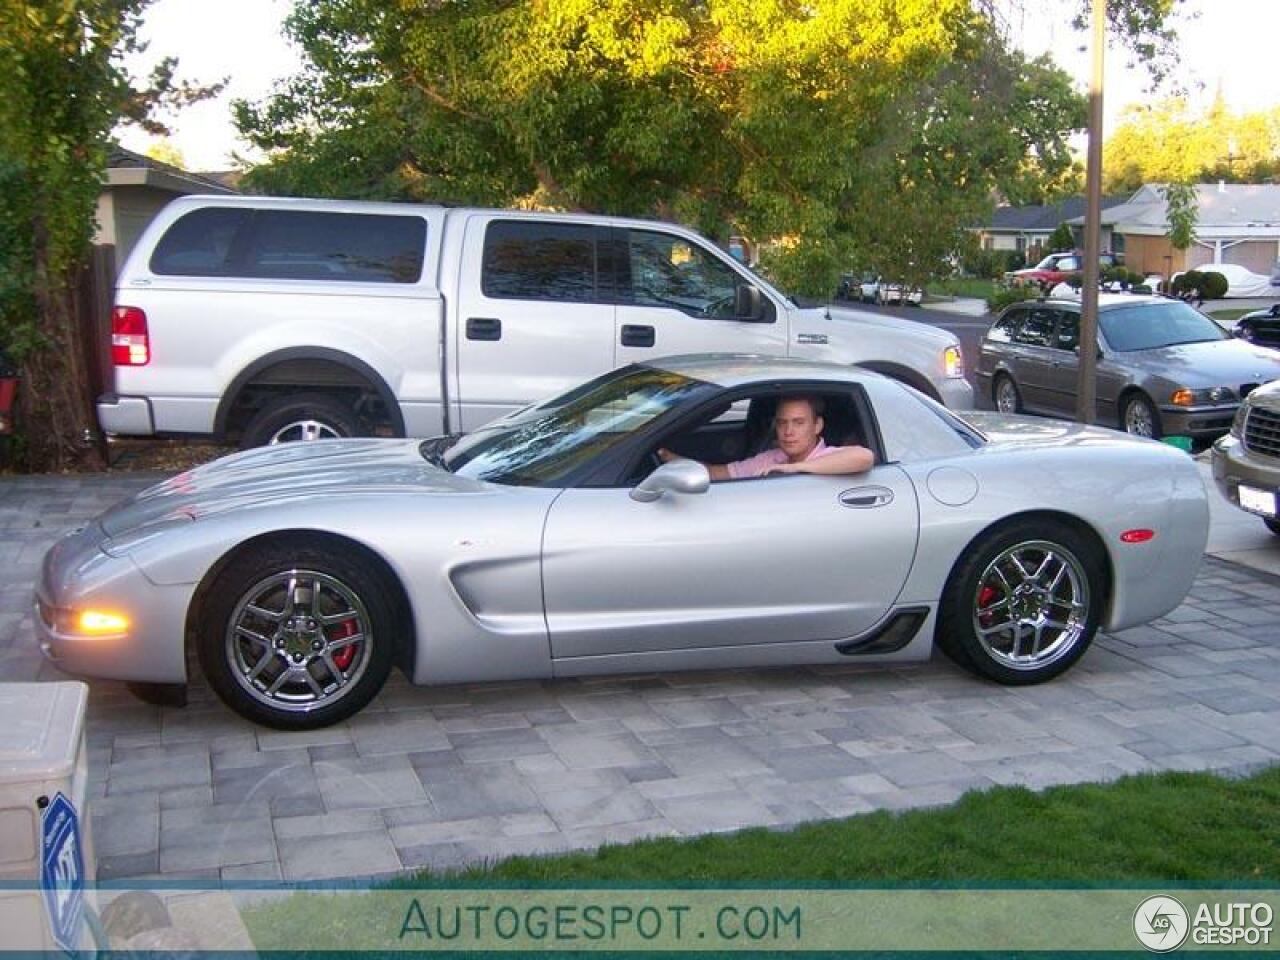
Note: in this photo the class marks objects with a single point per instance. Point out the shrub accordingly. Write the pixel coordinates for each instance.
(1137, 279)
(1213, 285)
(1187, 286)
(1004, 296)
(1140, 288)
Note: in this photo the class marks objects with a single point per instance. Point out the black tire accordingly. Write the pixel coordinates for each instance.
(1272, 525)
(1136, 410)
(294, 648)
(977, 644)
(283, 420)
(1004, 382)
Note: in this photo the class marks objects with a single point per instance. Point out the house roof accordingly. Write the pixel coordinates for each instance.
(1043, 218)
(128, 169)
(1224, 211)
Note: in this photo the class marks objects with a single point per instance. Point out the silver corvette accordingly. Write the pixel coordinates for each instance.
(555, 543)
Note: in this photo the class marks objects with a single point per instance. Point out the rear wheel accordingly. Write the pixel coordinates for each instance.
(1024, 603)
(307, 416)
(296, 637)
(1140, 417)
(1005, 395)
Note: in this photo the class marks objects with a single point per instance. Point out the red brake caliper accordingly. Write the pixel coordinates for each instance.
(343, 656)
(986, 596)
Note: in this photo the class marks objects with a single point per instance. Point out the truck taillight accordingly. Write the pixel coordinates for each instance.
(130, 345)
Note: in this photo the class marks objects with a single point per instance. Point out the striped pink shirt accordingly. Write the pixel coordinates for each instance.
(761, 462)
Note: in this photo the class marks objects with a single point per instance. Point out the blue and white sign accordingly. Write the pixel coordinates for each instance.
(62, 871)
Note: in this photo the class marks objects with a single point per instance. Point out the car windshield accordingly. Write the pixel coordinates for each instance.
(1151, 325)
(542, 444)
(1048, 263)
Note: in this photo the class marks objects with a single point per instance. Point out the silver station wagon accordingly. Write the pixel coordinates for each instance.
(1163, 367)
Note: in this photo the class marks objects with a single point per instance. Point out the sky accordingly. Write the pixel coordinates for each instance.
(1232, 44)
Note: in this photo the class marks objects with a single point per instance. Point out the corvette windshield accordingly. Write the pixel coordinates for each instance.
(542, 444)
(1165, 324)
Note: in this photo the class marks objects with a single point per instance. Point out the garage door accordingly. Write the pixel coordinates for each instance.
(1255, 255)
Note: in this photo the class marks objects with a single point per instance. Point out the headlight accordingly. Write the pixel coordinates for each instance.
(1237, 422)
(953, 361)
(1185, 397)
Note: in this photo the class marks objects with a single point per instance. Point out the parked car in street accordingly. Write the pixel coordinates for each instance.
(1241, 281)
(264, 320)
(864, 287)
(1246, 462)
(1054, 269)
(556, 542)
(1259, 326)
(899, 294)
(1163, 367)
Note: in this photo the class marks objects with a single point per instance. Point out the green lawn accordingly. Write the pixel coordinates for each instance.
(1184, 827)
(961, 287)
(1229, 316)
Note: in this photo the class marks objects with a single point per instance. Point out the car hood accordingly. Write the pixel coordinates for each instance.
(288, 472)
(1214, 363)
(868, 320)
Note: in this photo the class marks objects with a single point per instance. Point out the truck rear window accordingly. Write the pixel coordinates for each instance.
(293, 245)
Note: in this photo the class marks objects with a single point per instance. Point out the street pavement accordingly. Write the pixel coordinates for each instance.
(446, 776)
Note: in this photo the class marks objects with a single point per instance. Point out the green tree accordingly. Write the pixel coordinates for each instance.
(1061, 239)
(1182, 213)
(66, 90)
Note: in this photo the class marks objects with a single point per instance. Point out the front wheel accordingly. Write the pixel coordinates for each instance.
(1140, 417)
(1005, 395)
(296, 637)
(1024, 602)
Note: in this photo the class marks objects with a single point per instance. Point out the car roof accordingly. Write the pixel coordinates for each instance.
(742, 369)
(1106, 301)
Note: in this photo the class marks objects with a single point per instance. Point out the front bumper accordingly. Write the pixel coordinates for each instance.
(1234, 465)
(956, 393)
(77, 575)
(129, 416)
(1207, 421)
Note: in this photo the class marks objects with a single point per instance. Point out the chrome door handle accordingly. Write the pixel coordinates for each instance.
(861, 498)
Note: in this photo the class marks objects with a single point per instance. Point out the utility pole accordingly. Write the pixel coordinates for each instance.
(1086, 383)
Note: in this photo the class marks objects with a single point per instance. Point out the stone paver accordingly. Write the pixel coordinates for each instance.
(444, 777)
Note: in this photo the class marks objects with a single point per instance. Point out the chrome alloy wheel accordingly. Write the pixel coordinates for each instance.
(304, 430)
(298, 640)
(1032, 605)
(1139, 419)
(1006, 396)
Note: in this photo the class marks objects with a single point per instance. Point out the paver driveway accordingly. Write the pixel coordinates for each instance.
(443, 776)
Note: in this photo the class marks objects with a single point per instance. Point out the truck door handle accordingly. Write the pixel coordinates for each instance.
(864, 497)
(637, 335)
(484, 328)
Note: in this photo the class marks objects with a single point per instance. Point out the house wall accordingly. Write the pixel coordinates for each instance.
(135, 208)
(1153, 255)
(105, 219)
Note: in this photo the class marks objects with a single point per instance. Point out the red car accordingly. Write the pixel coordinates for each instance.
(1055, 268)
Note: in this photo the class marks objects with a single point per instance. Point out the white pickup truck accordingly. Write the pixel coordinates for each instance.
(264, 320)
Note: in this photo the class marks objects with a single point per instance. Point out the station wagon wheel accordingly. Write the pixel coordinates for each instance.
(1140, 417)
(1004, 392)
(300, 417)
(1025, 602)
(296, 639)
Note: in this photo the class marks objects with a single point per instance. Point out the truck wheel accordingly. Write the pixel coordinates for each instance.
(306, 416)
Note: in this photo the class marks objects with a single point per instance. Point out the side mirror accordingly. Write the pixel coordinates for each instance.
(678, 476)
(747, 303)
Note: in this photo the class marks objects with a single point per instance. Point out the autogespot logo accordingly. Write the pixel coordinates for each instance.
(1160, 923)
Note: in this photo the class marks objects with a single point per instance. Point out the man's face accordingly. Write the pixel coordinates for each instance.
(796, 428)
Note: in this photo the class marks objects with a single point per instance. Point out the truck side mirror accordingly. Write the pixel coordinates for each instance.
(747, 303)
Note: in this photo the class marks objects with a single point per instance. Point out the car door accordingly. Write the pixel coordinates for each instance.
(676, 296)
(1062, 373)
(533, 315)
(1032, 355)
(781, 559)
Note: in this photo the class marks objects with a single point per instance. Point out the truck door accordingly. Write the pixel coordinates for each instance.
(675, 296)
(532, 316)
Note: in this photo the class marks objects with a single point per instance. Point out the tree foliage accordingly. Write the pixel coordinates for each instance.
(846, 130)
(1062, 239)
(1170, 141)
(66, 89)
(1182, 212)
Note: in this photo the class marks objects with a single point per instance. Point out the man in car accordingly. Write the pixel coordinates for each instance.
(797, 427)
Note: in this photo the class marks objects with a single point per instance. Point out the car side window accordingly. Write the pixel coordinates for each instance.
(537, 260)
(339, 247)
(670, 271)
(198, 244)
(1068, 337)
(1037, 328)
(1005, 328)
(1069, 264)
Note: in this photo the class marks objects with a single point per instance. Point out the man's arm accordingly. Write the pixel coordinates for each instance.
(718, 471)
(852, 459)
